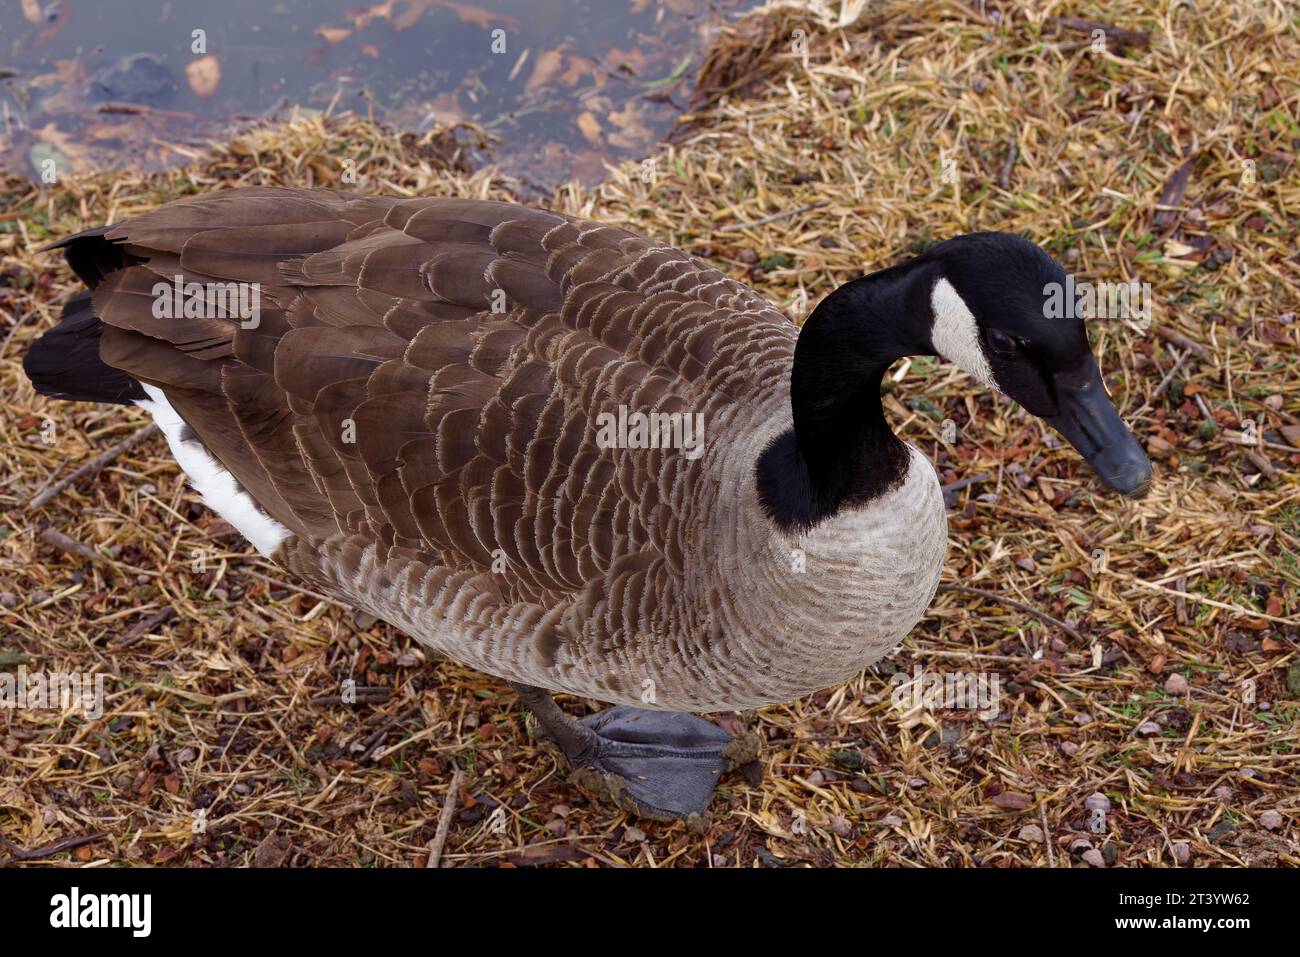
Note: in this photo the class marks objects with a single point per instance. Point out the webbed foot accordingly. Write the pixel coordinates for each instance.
(657, 764)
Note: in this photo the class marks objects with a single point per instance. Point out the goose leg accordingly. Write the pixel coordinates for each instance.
(657, 764)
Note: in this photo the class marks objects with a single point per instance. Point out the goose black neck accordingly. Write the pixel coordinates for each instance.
(841, 451)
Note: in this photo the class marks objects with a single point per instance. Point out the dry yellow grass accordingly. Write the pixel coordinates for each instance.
(909, 123)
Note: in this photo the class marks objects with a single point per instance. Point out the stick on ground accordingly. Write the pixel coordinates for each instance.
(444, 819)
(91, 467)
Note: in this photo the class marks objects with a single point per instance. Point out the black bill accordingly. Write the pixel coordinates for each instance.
(1088, 420)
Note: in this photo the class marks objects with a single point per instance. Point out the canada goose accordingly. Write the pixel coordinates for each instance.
(409, 418)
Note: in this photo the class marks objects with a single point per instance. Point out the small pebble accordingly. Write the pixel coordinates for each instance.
(1148, 728)
(816, 779)
(1248, 773)
(916, 784)
(558, 828)
(1069, 748)
(1223, 793)
(1271, 820)
(1094, 858)
(1079, 845)
(1176, 684)
(1031, 832)
(1182, 853)
(8, 599)
(1109, 853)
(891, 820)
(841, 826)
(563, 810)
(634, 834)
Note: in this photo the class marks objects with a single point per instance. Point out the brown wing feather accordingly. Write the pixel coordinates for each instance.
(394, 394)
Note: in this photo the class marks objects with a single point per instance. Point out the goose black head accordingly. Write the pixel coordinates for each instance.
(1004, 311)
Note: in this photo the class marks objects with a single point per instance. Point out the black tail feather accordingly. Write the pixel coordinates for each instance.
(65, 364)
(92, 257)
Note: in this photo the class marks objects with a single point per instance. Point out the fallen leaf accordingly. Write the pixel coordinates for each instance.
(632, 133)
(632, 61)
(1011, 800)
(477, 16)
(334, 34)
(204, 76)
(590, 127)
(579, 66)
(546, 69)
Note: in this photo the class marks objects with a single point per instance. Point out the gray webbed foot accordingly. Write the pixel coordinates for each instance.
(657, 764)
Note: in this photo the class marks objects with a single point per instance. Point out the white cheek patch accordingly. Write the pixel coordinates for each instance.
(955, 335)
(219, 490)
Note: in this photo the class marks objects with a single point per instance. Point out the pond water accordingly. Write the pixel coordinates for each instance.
(566, 84)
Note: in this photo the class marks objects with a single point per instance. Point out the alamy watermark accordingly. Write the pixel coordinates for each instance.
(1101, 300)
(133, 912)
(977, 691)
(651, 430)
(213, 300)
(57, 690)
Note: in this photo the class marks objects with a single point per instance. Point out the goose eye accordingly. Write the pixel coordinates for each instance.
(1000, 342)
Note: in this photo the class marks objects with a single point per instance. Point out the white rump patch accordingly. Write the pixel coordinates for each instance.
(955, 334)
(219, 490)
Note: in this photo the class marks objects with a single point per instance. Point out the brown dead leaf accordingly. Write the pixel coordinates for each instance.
(590, 127)
(477, 16)
(626, 60)
(334, 34)
(632, 133)
(545, 69)
(1011, 800)
(362, 17)
(204, 76)
(576, 67)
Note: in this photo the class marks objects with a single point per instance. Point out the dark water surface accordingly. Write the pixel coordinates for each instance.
(566, 84)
